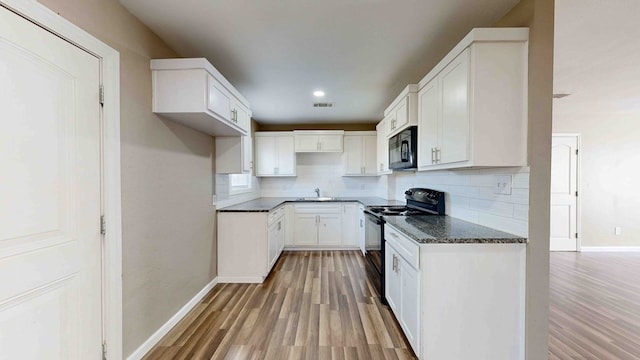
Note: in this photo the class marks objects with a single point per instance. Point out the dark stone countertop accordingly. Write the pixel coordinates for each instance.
(425, 229)
(267, 204)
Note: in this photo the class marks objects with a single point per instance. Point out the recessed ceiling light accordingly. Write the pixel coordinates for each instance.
(318, 93)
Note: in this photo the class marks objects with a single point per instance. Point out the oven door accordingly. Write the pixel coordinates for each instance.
(374, 244)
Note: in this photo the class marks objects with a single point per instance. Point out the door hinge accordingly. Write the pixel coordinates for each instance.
(101, 95)
(103, 225)
(104, 351)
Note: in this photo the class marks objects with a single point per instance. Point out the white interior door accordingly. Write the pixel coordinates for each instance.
(50, 191)
(564, 191)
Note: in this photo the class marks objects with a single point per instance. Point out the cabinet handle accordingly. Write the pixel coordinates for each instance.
(279, 225)
(433, 155)
(360, 222)
(437, 156)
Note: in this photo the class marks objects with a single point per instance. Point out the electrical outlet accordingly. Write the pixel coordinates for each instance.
(502, 184)
(618, 230)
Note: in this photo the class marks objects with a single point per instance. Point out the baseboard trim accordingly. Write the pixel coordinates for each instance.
(610, 249)
(241, 279)
(166, 327)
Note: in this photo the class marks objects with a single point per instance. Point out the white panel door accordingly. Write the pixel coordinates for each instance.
(455, 130)
(331, 143)
(350, 228)
(50, 257)
(217, 99)
(428, 123)
(410, 304)
(564, 188)
(392, 279)
(305, 229)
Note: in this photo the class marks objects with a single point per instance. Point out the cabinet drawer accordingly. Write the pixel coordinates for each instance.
(318, 209)
(276, 214)
(407, 248)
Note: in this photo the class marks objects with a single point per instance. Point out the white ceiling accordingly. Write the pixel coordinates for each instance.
(362, 53)
(597, 57)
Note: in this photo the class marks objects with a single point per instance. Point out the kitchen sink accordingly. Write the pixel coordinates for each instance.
(315, 198)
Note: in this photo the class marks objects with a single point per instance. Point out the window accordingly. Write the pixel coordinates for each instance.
(239, 183)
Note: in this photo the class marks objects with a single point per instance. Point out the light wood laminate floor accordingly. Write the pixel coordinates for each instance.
(313, 305)
(594, 306)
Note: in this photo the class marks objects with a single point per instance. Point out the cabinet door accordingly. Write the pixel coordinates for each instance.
(455, 134)
(361, 231)
(241, 116)
(428, 123)
(353, 155)
(402, 114)
(331, 143)
(272, 251)
(307, 143)
(383, 146)
(266, 155)
(286, 156)
(392, 279)
(247, 154)
(305, 229)
(410, 304)
(330, 229)
(350, 228)
(217, 99)
(288, 224)
(370, 154)
(281, 234)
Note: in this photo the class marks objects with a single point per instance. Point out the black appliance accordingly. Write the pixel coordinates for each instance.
(403, 149)
(419, 202)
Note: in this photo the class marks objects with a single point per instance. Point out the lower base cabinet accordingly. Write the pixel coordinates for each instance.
(332, 225)
(457, 301)
(249, 244)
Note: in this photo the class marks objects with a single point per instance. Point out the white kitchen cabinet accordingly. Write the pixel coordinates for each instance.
(429, 287)
(350, 226)
(361, 230)
(234, 155)
(265, 237)
(402, 291)
(403, 111)
(318, 140)
(288, 224)
(475, 95)
(330, 229)
(382, 132)
(196, 94)
(274, 154)
(360, 153)
(318, 224)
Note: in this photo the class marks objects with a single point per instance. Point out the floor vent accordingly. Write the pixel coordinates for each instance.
(322, 105)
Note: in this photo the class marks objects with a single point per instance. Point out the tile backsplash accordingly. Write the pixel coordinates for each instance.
(470, 195)
(323, 171)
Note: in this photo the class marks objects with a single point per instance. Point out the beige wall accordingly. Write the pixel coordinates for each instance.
(598, 66)
(167, 182)
(538, 15)
(609, 161)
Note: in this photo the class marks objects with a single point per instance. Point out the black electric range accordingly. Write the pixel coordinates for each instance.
(420, 201)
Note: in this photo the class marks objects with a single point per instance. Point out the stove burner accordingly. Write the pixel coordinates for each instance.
(396, 211)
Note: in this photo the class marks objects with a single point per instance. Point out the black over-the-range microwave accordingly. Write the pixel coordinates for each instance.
(403, 149)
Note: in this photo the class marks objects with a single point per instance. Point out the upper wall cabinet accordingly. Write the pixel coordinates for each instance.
(403, 111)
(194, 93)
(472, 107)
(275, 154)
(360, 153)
(383, 129)
(318, 140)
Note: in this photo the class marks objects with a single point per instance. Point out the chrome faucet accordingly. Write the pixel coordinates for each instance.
(317, 190)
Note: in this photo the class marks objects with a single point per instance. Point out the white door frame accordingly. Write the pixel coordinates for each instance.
(578, 187)
(110, 78)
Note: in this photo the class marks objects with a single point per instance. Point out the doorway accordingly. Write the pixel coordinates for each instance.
(564, 234)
